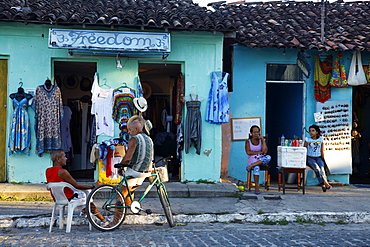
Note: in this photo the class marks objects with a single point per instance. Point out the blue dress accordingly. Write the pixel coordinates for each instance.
(218, 99)
(20, 132)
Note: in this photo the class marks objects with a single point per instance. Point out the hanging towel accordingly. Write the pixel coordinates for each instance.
(339, 77)
(321, 78)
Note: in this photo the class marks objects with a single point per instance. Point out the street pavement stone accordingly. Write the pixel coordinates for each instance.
(195, 234)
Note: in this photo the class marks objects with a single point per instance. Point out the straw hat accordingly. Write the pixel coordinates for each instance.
(147, 125)
(141, 104)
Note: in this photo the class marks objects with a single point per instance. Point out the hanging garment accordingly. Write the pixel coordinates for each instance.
(140, 92)
(123, 108)
(356, 74)
(20, 130)
(65, 129)
(179, 100)
(180, 141)
(368, 73)
(339, 77)
(303, 64)
(193, 133)
(48, 113)
(322, 76)
(102, 102)
(218, 99)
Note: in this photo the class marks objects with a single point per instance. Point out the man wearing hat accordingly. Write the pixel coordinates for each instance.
(139, 157)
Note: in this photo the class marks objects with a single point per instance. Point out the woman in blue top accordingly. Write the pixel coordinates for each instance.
(315, 155)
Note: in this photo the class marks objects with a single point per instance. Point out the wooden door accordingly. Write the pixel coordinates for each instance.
(3, 103)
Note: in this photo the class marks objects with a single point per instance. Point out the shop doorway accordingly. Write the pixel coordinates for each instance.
(159, 86)
(75, 80)
(361, 144)
(284, 115)
(3, 103)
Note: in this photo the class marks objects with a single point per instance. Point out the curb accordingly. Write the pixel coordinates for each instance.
(267, 218)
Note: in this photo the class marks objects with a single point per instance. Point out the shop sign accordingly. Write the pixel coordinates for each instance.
(336, 131)
(106, 40)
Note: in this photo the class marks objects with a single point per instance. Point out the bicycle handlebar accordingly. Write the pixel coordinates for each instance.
(164, 159)
(120, 165)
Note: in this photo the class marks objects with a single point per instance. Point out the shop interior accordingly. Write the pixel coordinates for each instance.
(75, 80)
(159, 87)
(360, 135)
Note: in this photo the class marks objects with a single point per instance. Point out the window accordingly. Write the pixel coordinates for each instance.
(283, 73)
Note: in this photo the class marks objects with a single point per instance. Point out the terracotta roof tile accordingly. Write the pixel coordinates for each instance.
(271, 24)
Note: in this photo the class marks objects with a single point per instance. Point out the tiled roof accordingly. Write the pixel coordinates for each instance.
(295, 25)
(171, 14)
(298, 24)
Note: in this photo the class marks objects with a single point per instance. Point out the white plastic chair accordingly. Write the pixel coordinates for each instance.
(61, 201)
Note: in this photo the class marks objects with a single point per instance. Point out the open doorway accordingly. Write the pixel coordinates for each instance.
(159, 86)
(284, 107)
(75, 80)
(361, 143)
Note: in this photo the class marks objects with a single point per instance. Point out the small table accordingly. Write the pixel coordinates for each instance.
(300, 182)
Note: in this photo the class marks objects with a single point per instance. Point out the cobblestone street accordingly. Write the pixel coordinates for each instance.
(195, 235)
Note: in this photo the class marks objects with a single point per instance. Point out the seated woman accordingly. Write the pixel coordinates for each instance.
(256, 149)
(58, 174)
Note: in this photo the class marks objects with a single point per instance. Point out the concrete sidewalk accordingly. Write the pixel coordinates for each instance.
(193, 202)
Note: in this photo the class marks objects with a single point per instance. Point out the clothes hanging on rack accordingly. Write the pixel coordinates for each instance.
(20, 130)
(218, 99)
(123, 108)
(322, 76)
(193, 133)
(48, 108)
(102, 102)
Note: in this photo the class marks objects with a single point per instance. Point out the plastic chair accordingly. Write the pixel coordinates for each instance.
(61, 201)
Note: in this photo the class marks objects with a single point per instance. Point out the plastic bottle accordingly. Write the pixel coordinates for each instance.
(282, 140)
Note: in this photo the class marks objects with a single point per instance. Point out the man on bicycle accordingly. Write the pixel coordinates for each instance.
(139, 157)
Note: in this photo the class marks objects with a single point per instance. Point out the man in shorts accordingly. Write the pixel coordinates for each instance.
(139, 157)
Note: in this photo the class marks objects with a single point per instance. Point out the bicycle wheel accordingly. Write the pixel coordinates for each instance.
(163, 197)
(101, 208)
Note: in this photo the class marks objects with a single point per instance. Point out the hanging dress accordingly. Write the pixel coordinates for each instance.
(48, 113)
(322, 77)
(193, 134)
(218, 99)
(20, 131)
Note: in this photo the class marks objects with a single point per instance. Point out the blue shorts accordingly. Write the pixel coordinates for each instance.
(265, 160)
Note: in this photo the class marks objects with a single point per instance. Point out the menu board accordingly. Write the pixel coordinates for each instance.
(241, 127)
(336, 131)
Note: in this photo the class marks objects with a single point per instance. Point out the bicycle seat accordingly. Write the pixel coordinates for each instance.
(120, 165)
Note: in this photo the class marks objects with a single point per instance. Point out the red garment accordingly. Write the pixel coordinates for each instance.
(52, 176)
(323, 71)
(108, 162)
(179, 101)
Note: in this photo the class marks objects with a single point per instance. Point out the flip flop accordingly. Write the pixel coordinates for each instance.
(257, 192)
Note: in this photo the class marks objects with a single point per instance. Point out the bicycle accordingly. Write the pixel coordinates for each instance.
(106, 199)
